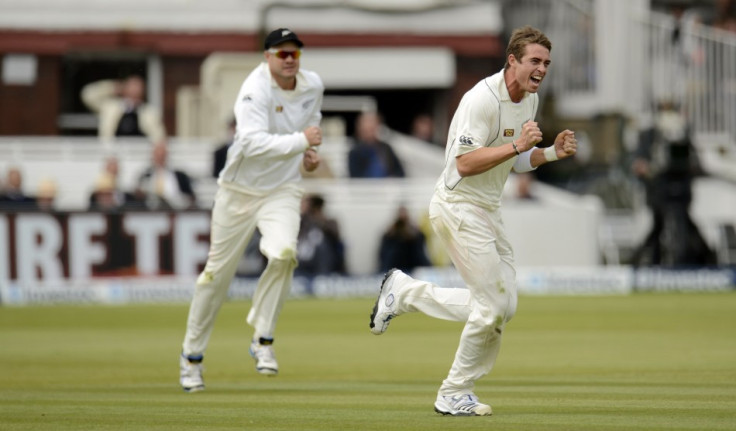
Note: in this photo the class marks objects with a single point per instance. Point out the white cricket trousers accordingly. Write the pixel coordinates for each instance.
(477, 244)
(235, 216)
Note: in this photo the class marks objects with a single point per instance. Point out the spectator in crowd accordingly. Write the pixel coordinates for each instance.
(666, 163)
(107, 194)
(122, 109)
(164, 187)
(220, 155)
(403, 245)
(320, 249)
(46, 196)
(12, 196)
(422, 128)
(103, 196)
(371, 157)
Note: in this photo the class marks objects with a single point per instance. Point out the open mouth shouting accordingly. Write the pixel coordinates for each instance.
(536, 80)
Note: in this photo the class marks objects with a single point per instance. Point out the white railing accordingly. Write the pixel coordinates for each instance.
(686, 62)
(695, 66)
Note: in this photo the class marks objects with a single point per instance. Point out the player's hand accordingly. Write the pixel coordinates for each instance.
(565, 144)
(311, 160)
(314, 135)
(531, 135)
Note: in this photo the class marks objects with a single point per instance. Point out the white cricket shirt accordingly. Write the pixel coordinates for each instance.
(269, 141)
(485, 117)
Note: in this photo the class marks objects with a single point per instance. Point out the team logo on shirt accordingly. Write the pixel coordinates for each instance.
(247, 98)
(279, 108)
(464, 140)
(307, 104)
(508, 132)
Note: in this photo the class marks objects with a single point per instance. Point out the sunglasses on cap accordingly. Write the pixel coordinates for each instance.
(283, 54)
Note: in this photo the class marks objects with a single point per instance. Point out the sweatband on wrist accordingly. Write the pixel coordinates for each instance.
(550, 154)
(513, 144)
(523, 162)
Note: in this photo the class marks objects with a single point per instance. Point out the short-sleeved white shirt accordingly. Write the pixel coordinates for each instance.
(486, 117)
(269, 140)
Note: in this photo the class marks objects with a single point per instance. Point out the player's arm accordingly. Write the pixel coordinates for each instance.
(486, 158)
(565, 146)
(315, 116)
(251, 111)
(313, 132)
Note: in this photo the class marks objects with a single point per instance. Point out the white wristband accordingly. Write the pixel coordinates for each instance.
(550, 154)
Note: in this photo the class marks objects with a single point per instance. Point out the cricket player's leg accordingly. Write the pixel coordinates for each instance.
(278, 221)
(232, 226)
(401, 293)
(442, 302)
(481, 253)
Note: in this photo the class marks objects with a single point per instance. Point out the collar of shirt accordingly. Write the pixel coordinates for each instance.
(503, 91)
(274, 84)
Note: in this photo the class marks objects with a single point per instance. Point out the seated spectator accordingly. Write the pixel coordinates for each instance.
(371, 157)
(12, 196)
(422, 128)
(103, 196)
(46, 196)
(107, 195)
(122, 110)
(320, 248)
(163, 187)
(403, 245)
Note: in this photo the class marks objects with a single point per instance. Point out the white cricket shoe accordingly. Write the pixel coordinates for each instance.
(461, 405)
(385, 308)
(262, 351)
(190, 373)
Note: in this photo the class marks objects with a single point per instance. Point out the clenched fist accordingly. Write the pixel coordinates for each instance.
(530, 136)
(565, 144)
(314, 135)
(311, 160)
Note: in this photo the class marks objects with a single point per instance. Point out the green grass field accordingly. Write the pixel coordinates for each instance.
(641, 362)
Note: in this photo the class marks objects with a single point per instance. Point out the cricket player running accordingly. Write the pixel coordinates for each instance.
(492, 132)
(277, 114)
